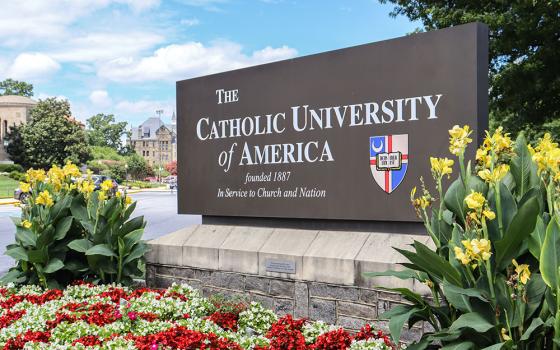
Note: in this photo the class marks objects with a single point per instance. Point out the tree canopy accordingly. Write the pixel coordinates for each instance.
(524, 46)
(51, 137)
(103, 131)
(14, 87)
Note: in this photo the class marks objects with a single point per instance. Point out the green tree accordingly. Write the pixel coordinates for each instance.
(524, 46)
(14, 87)
(137, 167)
(16, 147)
(104, 131)
(51, 137)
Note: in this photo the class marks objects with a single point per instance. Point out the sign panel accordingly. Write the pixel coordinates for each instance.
(288, 139)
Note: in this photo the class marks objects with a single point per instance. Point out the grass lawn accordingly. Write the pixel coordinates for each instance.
(7, 186)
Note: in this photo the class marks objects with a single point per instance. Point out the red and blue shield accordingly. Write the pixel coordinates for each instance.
(388, 159)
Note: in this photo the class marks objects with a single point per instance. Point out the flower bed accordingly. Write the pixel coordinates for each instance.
(85, 316)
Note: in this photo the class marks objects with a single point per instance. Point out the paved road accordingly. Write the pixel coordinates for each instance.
(159, 210)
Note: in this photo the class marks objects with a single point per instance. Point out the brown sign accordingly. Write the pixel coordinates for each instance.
(344, 134)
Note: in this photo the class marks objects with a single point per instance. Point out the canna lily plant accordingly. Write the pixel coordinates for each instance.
(494, 274)
(68, 230)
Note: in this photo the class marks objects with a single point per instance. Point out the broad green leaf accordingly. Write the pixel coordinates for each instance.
(535, 292)
(18, 253)
(536, 239)
(454, 200)
(521, 165)
(403, 275)
(495, 346)
(550, 255)
(101, 249)
(463, 345)
(472, 320)
(522, 225)
(460, 297)
(137, 252)
(38, 256)
(132, 225)
(130, 239)
(62, 228)
(398, 316)
(80, 245)
(53, 266)
(536, 323)
(25, 236)
(78, 210)
(14, 276)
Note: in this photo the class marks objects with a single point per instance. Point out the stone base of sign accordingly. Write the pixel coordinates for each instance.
(327, 284)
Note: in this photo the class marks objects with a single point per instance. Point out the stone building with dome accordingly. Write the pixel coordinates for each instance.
(14, 110)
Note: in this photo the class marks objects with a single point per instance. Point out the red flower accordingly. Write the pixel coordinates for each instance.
(338, 339)
(183, 338)
(88, 340)
(285, 334)
(367, 332)
(10, 317)
(226, 320)
(29, 336)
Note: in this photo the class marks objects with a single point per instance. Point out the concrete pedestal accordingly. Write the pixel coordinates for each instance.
(326, 283)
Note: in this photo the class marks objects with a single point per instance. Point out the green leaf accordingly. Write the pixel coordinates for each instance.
(522, 225)
(18, 253)
(62, 228)
(137, 252)
(495, 346)
(14, 276)
(521, 165)
(536, 323)
(454, 200)
(471, 320)
(398, 316)
(429, 261)
(403, 275)
(80, 245)
(130, 239)
(463, 345)
(101, 249)
(132, 225)
(38, 256)
(53, 266)
(550, 255)
(25, 236)
(536, 239)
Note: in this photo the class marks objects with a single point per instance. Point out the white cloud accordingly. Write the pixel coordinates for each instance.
(190, 22)
(210, 5)
(32, 66)
(22, 22)
(175, 62)
(105, 46)
(144, 108)
(100, 98)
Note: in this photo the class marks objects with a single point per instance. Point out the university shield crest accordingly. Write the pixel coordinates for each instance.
(388, 159)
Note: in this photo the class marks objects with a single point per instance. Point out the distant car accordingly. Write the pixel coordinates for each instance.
(20, 195)
(98, 180)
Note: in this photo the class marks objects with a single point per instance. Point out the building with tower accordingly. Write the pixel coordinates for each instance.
(14, 110)
(155, 140)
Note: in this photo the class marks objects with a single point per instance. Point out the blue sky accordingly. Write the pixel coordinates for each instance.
(124, 56)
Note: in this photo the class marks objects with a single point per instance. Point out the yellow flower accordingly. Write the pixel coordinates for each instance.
(461, 256)
(481, 248)
(106, 185)
(45, 199)
(101, 196)
(501, 141)
(490, 215)
(441, 167)
(56, 177)
(459, 139)
(35, 176)
(118, 194)
(475, 200)
(86, 187)
(495, 175)
(26, 224)
(128, 200)
(505, 335)
(523, 272)
(71, 170)
(24, 187)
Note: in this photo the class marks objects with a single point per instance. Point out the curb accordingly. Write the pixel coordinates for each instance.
(9, 202)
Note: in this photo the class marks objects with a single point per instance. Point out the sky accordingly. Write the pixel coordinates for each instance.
(124, 56)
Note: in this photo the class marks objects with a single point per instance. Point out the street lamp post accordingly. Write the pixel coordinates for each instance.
(126, 175)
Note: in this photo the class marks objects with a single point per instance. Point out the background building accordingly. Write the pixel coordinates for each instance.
(14, 110)
(155, 141)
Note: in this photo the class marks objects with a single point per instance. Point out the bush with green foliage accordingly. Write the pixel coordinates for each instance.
(8, 168)
(494, 274)
(68, 231)
(16, 175)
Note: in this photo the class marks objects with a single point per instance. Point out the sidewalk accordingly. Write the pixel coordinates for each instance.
(8, 201)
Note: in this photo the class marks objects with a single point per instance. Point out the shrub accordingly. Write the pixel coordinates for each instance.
(67, 230)
(8, 168)
(16, 175)
(494, 274)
